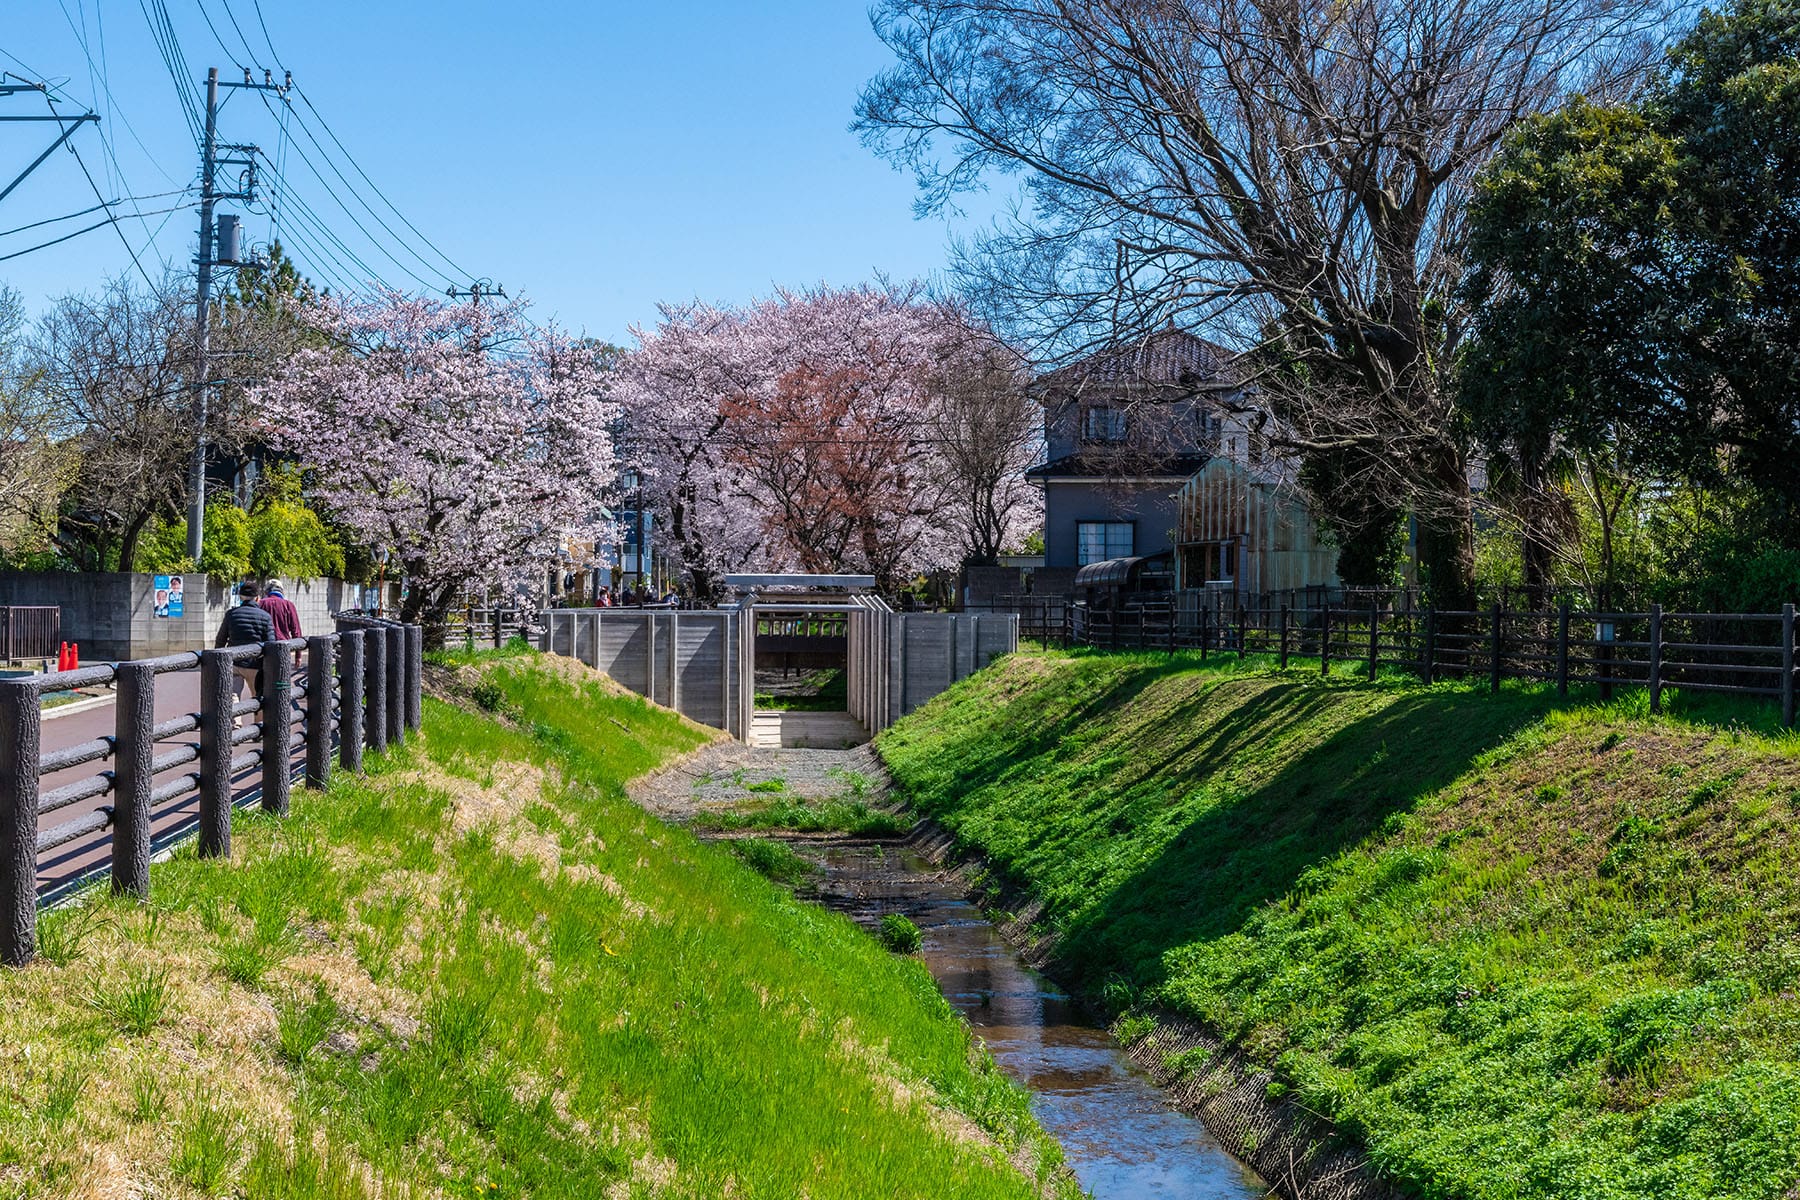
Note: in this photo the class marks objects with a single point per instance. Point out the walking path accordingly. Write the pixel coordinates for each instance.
(721, 775)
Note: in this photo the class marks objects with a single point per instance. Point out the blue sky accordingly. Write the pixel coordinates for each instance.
(598, 157)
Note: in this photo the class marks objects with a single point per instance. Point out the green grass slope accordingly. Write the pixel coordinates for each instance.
(480, 971)
(1517, 950)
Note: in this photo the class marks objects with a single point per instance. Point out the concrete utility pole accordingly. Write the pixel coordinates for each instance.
(210, 162)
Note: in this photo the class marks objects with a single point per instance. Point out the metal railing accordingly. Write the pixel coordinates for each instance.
(28, 631)
(1745, 654)
(360, 688)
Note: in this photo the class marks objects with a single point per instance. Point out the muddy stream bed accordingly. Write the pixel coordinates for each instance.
(1121, 1137)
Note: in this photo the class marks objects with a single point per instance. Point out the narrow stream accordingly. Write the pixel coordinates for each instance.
(1120, 1135)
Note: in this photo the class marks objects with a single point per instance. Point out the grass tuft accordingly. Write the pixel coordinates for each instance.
(899, 934)
(136, 1003)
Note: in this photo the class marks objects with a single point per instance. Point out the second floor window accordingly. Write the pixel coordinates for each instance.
(1103, 423)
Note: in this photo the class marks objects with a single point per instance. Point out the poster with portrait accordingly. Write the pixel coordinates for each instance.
(175, 596)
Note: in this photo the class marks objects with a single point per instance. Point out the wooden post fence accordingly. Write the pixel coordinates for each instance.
(1562, 650)
(1374, 637)
(1787, 665)
(132, 764)
(1494, 652)
(1656, 656)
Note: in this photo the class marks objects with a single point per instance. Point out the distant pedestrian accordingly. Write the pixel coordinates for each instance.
(282, 612)
(246, 625)
(605, 600)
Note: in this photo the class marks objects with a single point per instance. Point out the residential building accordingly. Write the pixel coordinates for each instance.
(1124, 431)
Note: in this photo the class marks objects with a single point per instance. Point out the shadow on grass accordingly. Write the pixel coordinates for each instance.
(1152, 833)
(1245, 852)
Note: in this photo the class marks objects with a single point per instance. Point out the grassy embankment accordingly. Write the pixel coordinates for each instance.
(479, 971)
(1517, 949)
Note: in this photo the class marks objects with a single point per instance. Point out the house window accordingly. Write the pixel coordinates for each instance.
(1097, 541)
(1102, 423)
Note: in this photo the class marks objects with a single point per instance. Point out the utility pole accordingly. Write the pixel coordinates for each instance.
(68, 125)
(210, 162)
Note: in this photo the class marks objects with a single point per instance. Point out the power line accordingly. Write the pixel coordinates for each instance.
(349, 187)
(460, 271)
(82, 212)
(109, 220)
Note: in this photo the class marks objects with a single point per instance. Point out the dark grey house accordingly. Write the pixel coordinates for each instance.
(1123, 431)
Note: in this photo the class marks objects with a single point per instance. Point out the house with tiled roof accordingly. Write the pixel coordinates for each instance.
(1124, 430)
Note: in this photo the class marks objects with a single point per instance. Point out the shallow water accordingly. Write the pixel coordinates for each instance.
(1120, 1135)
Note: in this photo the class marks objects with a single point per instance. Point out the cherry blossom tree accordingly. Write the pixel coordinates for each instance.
(814, 429)
(467, 443)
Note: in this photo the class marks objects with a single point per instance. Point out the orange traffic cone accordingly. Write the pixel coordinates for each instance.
(74, 655)
(62, 657)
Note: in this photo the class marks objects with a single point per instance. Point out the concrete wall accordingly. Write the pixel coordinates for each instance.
(687, 661)
(700, 663)
(1066, 504)
(109, 613)
(927, 652)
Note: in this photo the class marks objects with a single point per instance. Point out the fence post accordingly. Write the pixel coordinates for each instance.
(1284, 625)
(350, 699)
(20, 722)
(1562, 649)
(1205, 630)
(415, 677)
(1656, 640)
(1430, 666)
(1243, 648)
(1787, 665)
(277, 727)
(1325, 640)
(375, 689)
(134, 716)
(1494, 650)
(319, 665)
(496, 616)
(216, 725)
(1374, 638)
(396, 683)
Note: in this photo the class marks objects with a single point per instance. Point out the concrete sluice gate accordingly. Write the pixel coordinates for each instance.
(702, 662)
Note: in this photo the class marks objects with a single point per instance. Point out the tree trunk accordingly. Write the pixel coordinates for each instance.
(1537, 550)
(1447, 542)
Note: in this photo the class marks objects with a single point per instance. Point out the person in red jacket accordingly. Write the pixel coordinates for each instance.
(282, 612)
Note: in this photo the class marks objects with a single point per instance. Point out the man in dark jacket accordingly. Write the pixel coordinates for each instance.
(246, 625)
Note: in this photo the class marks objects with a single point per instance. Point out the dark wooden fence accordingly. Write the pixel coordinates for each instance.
(1745, 654)
(1041, 618)
(29, 631)
(494, 627)
(357, 688)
